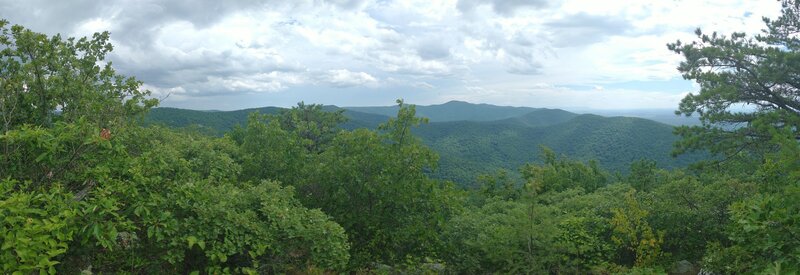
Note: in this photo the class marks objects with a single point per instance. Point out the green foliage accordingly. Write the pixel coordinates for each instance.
(581, 244)
(750, 112)
(634, 234)
(217, 122)
(73, 161)
(644, 175)
(500, 184)
(48, 79)
(734, 71)
(84, 188)
(374, 184)
(692, 211)
(192, 196)
(471, 148)
(501, 236)
(313, 125)
(270, 152)
(763, 235)
(185, 210)
(36, 228)
(270, 231)
(468, 149)
(559, 174)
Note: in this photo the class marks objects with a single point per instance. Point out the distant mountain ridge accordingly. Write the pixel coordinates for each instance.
(460, 110)
(473, 139)
(453, 111)
(220, 122)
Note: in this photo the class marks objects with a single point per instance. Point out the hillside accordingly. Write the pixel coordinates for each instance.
(539, 118)
(219, 122)
(454, 111)
(94, 180)
(216, 121)
(469, 147)
(666, 116)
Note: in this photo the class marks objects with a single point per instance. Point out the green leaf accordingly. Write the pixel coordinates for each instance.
(222, 257)
(41, 157)
(192, 240)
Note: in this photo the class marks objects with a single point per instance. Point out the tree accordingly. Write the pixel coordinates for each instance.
(53, 83)
(316, 126)
(47, 79)
(270, 152)
(499, 184)
(560, 173)
(61, 109)
(749, 105)
(644, 175)
(374, 184)
(632, 233)
(82, 185)
(749, 87)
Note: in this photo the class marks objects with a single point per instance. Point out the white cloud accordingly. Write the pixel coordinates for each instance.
(502, 52)
(343, 78)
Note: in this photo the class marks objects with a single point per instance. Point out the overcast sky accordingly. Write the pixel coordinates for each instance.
(229, 55)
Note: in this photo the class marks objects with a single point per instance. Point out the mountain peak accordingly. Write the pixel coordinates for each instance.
(456, 102)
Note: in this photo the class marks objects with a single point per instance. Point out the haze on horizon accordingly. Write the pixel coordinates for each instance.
(565, 54)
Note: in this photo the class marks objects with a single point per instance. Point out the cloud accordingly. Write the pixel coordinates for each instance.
(432, 49)
(570, 98)
(582, 29)
(348, 4)
(50, 16)
(342, 78)
(503, 7)
(246, 53)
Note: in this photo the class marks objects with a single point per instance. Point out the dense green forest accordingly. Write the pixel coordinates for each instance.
(86, 188)
(468, 148)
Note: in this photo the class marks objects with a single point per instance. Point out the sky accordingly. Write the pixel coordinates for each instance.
(228, 55)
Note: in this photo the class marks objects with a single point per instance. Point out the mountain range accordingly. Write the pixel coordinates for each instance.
(474, 139)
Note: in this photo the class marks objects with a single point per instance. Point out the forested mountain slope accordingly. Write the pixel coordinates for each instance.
(87, 189)
(454, 111)
(468, 148)
(219, 122)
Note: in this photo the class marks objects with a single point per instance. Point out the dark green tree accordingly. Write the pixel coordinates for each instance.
(749, 87)
(374, 184)
(749, 105)
(83, 186)
(560, 173)
(47, 79)
(311, 123)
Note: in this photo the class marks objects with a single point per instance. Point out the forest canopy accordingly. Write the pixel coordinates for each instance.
(85, 187)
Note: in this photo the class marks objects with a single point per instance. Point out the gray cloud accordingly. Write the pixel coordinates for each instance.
(348, 4)
(503, 7)
(583, 29)
(50, 16)
(272, 49)
(135, 27)
(518, 50)
(432, 49)
(137, 24)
